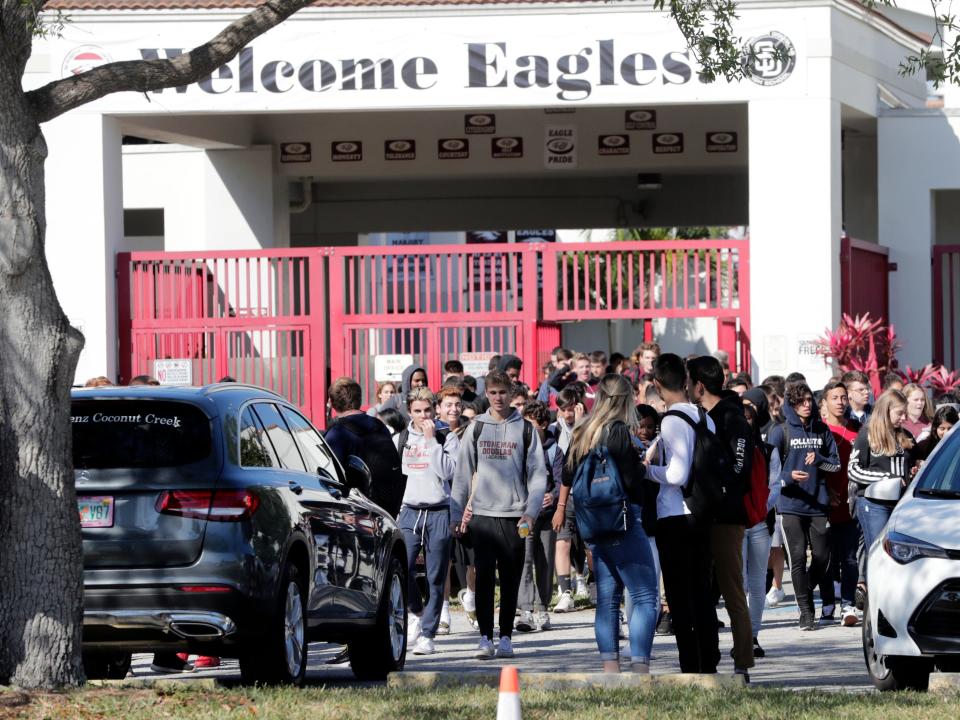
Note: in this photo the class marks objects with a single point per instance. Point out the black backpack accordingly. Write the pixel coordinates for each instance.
(440, 434)
(377, 450)
(710, 471)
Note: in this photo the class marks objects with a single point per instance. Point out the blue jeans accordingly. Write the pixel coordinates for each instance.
(427, 530)
(756, 553)
(625, 562)
(873, 519)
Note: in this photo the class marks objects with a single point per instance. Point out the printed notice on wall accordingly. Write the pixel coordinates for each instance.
(173, 372)
(560, 146)
(390, 367)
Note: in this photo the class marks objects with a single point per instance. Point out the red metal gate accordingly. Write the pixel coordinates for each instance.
(946, 297)
(864, 278)
(663, 279)
(257, 316)
(261, 316)
(431, 303)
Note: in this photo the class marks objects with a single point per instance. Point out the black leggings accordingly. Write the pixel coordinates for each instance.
(799, 533)
(497, 546)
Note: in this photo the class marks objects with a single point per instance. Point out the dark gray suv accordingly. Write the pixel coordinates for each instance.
(216, 521)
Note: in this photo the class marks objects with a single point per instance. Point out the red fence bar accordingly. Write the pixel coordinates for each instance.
(662, 277)
(946, 295)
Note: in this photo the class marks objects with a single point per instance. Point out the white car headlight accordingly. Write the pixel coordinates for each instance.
(905, 549)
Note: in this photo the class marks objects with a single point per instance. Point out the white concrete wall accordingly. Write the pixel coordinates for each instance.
(212, 199)
(919, 153)
(795, 228)
(85, 230)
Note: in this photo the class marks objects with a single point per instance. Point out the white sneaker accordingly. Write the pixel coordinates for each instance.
(526, 623)
(543, 620)
(444, 627)
(485, 649)
(565, 603)
(413, 629)
(775, 597)
(848, 616)
(505, 648)
(468, 600)
(424, 646)
(582, 591)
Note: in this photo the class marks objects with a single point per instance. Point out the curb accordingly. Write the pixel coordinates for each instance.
(157, 684)
(945, 683)
(562, 681)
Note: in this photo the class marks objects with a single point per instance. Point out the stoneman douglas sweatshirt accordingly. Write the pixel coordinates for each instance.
(504, 486)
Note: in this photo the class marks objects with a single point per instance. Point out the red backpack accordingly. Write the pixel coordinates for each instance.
(755, 501)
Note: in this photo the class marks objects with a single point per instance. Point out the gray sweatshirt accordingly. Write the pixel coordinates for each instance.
(502, 487)
(429, 468)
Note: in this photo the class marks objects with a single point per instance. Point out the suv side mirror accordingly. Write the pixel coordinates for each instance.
(358, 474)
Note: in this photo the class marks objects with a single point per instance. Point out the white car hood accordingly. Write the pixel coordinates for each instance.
(933, 520)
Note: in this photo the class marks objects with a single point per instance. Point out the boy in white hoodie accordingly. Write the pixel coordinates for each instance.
(429, 458)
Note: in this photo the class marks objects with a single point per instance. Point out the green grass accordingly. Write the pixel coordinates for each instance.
(319, 703)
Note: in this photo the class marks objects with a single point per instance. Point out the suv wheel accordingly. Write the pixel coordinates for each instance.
(374, 655)
(892, 673)
(106, 666)
(284, 659)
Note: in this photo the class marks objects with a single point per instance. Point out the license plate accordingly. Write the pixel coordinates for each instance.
(96, 512)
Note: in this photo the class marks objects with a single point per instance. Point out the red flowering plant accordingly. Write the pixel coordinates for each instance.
(864, 344)
(943, 381)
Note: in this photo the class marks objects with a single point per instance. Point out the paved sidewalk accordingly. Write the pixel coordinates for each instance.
(829, 658)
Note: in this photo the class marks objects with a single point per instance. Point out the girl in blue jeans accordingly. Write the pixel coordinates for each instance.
(624, 561)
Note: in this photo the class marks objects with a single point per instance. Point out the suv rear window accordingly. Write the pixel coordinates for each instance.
(138, 434)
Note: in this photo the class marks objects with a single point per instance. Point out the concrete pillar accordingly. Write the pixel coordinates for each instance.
(84, 183)
(795, 226)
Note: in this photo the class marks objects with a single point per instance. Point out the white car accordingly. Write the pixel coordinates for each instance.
(912, 614)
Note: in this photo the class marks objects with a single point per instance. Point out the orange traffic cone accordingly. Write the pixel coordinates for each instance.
(508, 705)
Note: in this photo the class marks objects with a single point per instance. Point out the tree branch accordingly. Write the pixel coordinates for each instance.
(61, 96)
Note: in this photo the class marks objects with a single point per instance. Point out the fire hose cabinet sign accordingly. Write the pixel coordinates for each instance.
(173, 371)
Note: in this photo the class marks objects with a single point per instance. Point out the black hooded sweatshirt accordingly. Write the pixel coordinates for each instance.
(734, 431)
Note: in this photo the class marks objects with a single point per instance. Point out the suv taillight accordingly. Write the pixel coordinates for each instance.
(217, 505)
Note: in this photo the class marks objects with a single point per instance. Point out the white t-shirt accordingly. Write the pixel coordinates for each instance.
(675, 444)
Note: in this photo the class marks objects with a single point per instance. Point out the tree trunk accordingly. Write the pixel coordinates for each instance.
(41, 564)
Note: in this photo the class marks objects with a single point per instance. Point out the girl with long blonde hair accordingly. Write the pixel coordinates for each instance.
(621, 560)
(883, 450)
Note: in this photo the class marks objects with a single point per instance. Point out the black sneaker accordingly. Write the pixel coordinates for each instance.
(808, 621)
(758, 652)
(664, 625)
(828, 618)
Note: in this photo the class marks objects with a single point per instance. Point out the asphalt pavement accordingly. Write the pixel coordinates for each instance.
(828, 659)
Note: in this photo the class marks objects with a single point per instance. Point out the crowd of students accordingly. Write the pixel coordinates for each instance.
(722, 482)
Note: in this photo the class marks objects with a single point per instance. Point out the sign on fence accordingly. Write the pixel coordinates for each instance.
(475, 363)
(173, 372)
(390, 367)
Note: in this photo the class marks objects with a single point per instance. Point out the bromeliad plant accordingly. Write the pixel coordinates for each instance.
(864, 344)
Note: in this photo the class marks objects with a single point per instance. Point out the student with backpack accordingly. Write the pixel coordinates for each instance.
(729, 513)
(497, 493)
(429, 459)
(762, 498)
(809, 452)
(604, 474)
(355, 433)
(683, 538)
(536, 586)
